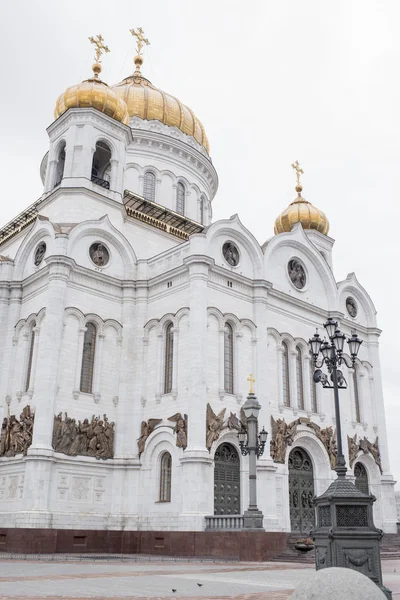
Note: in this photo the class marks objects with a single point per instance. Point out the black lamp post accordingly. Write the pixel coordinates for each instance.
(332, 356)
(253, 445)
(345, 534)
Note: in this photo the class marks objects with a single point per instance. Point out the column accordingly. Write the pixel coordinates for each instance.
(307, 383)
(99, 364)
(238, 381)
(281, 405)
(34, 361)
(12, 302)
(159, 366)
(221, 391)
(175, 362)
(196, 472)
(350, 387)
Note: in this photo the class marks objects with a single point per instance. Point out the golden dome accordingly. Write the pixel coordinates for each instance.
(148, 102)
(301, 211)
(93, 93)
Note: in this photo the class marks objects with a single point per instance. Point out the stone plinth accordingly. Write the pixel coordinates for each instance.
(337, 583)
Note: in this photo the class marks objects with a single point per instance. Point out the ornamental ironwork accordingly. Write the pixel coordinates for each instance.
(301, 491)
(351, 516)
(226, 481)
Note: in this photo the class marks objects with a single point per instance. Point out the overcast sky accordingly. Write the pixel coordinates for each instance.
(272, 81)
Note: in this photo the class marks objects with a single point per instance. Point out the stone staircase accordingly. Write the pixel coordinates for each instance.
(390, 550)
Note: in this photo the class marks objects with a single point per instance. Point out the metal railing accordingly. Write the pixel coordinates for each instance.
(102, 182)
(224, 522)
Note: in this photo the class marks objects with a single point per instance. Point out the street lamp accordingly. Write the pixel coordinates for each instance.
(345, 534)
(333, 357)
(252, 444)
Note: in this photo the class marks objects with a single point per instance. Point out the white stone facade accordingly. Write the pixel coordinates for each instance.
(153, 279)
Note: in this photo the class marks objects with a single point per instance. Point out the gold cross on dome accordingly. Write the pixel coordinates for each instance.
(100, 47)
(141, 40)
(251, 380)
(299, 171)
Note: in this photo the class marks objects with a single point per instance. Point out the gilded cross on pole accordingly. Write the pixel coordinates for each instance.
(251, 380)
(299, 171)
(141, 40)
(100, 47)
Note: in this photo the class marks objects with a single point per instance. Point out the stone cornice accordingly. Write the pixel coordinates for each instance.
(90, 115)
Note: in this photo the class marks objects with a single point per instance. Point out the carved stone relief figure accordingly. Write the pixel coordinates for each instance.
(146, 429)
(233, 422)
(83, 438)
(99, 254)
(328, 437)
(353, 449)
(282, 437)
(180, 429)
(213, 426)
(297, 274)
(39, 253)
(16, 436)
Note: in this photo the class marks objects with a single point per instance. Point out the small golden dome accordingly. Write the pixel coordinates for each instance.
(148, 102)
(93, 93)
(301, 211)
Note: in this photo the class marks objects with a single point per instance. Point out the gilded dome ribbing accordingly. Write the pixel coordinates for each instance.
(148, 102)
(93, 93)
(301, 211)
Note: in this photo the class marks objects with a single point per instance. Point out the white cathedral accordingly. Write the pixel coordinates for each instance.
(130, 322)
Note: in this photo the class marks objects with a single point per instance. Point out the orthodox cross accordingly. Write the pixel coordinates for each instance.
(298, 170)
(100, 47)
(141, 40)
(251, 380)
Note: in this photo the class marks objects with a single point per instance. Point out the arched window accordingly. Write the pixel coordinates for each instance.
(30, 356)
(180, 198)
(285, 374)
(169, 358)
(60, 166)
(149, 186)
(202, 207)
(89, 348)
(356, 396)
(314, 405)
(165, 477)
(101, 165)
(228, 359)
(299, 373)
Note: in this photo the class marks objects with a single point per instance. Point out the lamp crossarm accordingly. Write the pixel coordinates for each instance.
(349, 363)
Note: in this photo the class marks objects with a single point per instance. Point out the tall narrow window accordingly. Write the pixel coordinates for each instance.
(299, 373)
(202, 206)
(228, 359)
(165, 477)
(356, 396)
(30, 357)
(60, 166)
(169, 358)
(314, 406)
(285, 374)
(180, 198)
(149, 186)
(101, 165)
(89, 348)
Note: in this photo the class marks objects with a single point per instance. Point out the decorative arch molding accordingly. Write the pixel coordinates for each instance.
(374, 475)
(101, 325)
(109, 142)
(227, 437)
(319, 458)
(274, 333)
(237, 323)
(160, 440)
(104, 228)
(298, 240)
(24, 324)
(303, 345)
(234, 229)
(351, 286)
(40, 229)
(289, 340)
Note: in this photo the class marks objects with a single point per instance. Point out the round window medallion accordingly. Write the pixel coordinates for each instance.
(39, 253)
(99, 254)
(231, 254)
(351, 307)
(297, 274)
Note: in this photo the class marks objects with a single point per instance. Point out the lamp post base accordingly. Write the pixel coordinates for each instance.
(253, 519)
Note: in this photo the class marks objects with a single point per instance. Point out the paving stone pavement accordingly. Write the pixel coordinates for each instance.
(155, 580)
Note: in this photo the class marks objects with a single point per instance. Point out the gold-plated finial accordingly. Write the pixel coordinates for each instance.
(299, 171)
(141, 41)
(100, 48)
(251, 380)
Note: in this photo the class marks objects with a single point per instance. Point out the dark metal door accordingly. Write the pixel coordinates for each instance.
(301, 492)
(361, 481)
(226, 481)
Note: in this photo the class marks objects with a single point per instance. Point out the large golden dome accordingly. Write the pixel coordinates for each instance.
(301, 211)
(93, 93)
(148, 102)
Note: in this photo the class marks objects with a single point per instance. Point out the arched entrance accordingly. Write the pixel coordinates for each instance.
(301, 491)
(361, 476)
(226, 481)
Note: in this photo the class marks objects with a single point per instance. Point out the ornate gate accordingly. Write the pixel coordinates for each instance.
(361, 481)
(226, 481)
(301, 491)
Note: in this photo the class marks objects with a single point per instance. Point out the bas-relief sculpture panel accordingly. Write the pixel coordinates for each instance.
(366, 447)
(16, 435)
(83, 438)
